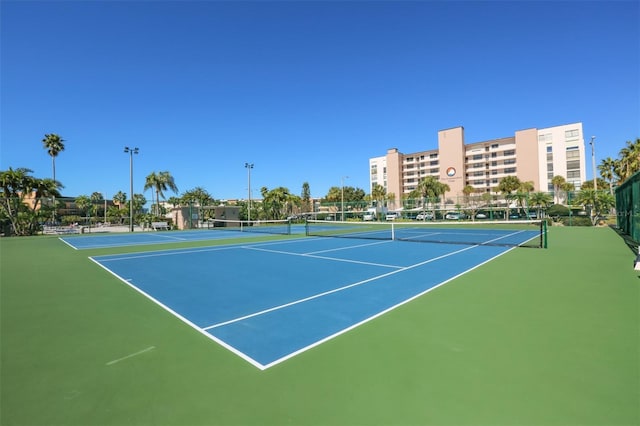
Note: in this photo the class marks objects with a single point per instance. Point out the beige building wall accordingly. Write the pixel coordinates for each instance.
(394, 176)
(528, 157)
(451, 153)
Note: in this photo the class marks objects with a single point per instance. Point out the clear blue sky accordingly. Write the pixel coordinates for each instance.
(306, 91)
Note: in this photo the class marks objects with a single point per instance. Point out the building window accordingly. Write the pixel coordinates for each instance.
(477, 157)
(573, 165)
(573, 174)
(495, 146)
(433, 156)
(509, 152)
(570, 134)
(510, 161)
(510, 170)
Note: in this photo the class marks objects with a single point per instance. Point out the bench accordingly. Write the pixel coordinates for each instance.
(156, 226)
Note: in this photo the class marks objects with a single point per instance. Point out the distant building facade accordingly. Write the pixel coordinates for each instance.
(535, 155)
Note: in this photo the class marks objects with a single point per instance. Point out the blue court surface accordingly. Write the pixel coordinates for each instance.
(106, 240)
(270, 301)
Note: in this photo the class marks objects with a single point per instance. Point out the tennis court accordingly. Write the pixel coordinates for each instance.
(541, 337)
(97, 241)
(269, 301)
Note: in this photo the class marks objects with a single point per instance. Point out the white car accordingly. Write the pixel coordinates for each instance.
(425, 216)
(392, 216)
(454, 216)
(368, 217)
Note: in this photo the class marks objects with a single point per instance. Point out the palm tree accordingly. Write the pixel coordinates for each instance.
(599, 201)
(606, 168)
(160, 182)
(20, 198)
(83, 202)
(507, 185)
(54, 145)
(557, 182)
(306, 197)
(430, 189)
(540, 200)
(197, 196)
(120, 198)
(378, 194)
(629, 159)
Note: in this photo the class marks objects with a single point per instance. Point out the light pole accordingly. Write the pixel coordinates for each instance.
(130, 151)
(593, 162)
(249, 166)
(342, 191)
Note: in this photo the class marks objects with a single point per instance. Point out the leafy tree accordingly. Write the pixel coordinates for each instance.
(198, 197)
(350, 194)
(139, 200)
(21, 198)
(160, 182)
(83, 202)
(278, 203)
(306, 198)
(175, 201)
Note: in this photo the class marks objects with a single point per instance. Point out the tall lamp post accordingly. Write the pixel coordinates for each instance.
(249, 166)
(342, 191)
(593, 162)
(131, 151)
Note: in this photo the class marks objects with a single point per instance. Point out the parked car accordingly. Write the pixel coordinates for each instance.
(425, 216)
(392, 216)
(481, 215)
(454, 216)
(368, 217)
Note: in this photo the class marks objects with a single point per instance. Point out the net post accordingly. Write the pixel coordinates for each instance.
(306, 226)
(543, 226)
(393, 231)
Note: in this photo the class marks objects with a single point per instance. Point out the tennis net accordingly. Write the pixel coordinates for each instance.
(261, 226)
(514, 233)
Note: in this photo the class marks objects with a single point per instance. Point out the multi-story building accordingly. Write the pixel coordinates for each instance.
(534, 155)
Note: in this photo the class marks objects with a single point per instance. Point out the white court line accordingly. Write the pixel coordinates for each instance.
(359, 262)
(335, 290)
(349, 247)
(150, 348)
